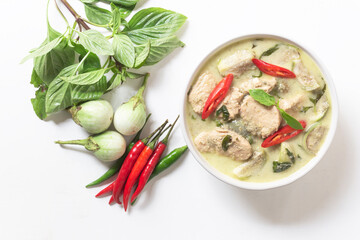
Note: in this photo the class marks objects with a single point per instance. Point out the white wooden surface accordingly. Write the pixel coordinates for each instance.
(42, 185)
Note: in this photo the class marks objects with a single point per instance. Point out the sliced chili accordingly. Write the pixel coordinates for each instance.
(282, 135)
(273, 70)
(217, 95)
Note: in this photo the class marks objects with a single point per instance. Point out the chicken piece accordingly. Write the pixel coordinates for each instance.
(201, 91)
(258, 119)
(232, 102)
(292, 105)
(252, 166)
(313, 140)
(266, 83)
(304, 77)
(211, 142)
(236, 63)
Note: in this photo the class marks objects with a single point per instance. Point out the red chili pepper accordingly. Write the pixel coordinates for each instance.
(151, 164)
(106, 190)
(282, 135)
(273, 70)
(217, 95)
(111, 200)
(129, 163)
(138, 167)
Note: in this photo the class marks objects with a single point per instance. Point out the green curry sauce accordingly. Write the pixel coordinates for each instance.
(307, 111)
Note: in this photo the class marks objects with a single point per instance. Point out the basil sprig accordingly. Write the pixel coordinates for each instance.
(67, 68)
(266, 99)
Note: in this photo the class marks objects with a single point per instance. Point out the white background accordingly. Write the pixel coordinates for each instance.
(42, 192)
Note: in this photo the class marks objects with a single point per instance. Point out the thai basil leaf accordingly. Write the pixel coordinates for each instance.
(38, 103)
(124, 50)
(49, 65)
(125, 3)
(142, 55)
(116, 18)
(97, 15)
(43, 49)
(266, 99)
(160, 48)
(226, 142)
(133, 75)
(292, 122)
(304, 109)
(290, 155)
(318, 95)
(88, 78)
(224, 111)
(95, 42)
(89, 1)
(115, 81)
(281, 166)
(52, 33)
(153, 23)
(58, 96)
(262, 97)
(61, 94)
(35, 79)
(88, 92)
(269, 51)
(91, 63)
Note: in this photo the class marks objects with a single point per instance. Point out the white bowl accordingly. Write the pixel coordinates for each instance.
(281, 182)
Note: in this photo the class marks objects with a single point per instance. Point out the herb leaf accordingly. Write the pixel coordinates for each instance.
(266, 99)
(58, 96)
(153, 23)
(97, 15)
(142, 55)
(62, 94)
(290, 155)
(126, 3)
(116, 18)
(95, 42)
(224, 111)
(43, 49)
(304, 109)
(35, 79)
(48, 66)
(281, 166)
(124, 50)
(39, 103)
(83, 93)
(318, 96)
(133, 75)
(85, 78)
(262, 97)
(269, 51)
(226, 142)
(292, 122)
(160, 48)
(115, 81)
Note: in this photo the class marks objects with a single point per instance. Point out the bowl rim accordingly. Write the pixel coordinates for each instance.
(283, 181)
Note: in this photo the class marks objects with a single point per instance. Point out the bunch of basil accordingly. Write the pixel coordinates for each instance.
(67, 69)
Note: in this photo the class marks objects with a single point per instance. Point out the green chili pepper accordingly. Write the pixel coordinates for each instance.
(116, 167)
(168, 160)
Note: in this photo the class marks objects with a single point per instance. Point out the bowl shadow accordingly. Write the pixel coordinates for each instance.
(307, 197)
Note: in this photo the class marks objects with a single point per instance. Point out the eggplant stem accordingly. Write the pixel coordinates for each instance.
(82, 142)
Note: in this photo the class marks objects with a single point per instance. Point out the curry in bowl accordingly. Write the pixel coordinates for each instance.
(259, 110)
